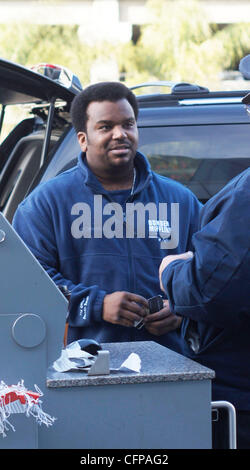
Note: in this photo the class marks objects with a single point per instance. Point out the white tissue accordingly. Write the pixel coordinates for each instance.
(133, 362)
(73, 358)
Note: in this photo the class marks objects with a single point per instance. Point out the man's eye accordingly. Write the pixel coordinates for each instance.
(105, 127)
(129, 124)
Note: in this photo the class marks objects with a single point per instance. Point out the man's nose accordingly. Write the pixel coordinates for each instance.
(119, 132)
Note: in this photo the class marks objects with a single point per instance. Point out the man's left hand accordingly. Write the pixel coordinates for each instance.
(162, 322)
(168, 259)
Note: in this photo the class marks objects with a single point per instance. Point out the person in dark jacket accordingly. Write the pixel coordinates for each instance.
(210, 288)
(100, 228)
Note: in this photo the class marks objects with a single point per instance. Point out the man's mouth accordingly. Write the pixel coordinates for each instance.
(120, 149)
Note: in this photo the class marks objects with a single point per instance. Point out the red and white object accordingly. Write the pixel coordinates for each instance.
(17, 399)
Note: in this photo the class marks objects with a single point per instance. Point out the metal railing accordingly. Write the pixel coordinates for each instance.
(231, 420)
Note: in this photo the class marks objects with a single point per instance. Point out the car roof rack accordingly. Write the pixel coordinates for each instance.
(176, 87)
(168, 84)
(178, 91)
(185, 93)
(184, 87)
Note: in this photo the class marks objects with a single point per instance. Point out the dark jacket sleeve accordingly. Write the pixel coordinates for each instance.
(34, 224)
(214, 285)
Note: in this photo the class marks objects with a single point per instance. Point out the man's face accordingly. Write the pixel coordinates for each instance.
(111, 136)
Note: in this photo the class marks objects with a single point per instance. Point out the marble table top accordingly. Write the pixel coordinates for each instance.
(158, 364)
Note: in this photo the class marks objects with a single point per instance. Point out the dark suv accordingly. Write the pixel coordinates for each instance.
(190, 134)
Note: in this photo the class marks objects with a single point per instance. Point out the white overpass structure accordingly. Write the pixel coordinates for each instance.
(109, 19)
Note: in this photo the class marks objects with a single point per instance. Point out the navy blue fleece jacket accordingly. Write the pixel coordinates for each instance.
(212, 292)
(62, 221)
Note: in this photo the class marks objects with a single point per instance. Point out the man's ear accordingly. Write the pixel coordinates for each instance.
(82, 139)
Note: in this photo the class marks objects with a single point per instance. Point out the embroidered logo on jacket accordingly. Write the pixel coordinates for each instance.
(83, 307)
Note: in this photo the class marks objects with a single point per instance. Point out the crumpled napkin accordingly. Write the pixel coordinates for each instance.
(133, 362)
(74, 358)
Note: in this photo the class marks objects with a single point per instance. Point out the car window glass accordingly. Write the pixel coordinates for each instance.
(64, 158)
(203, 158)
(12, 116)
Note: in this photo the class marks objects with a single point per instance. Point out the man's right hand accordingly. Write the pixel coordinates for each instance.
(124, 308)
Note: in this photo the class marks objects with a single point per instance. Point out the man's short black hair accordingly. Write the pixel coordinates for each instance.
(103, 91)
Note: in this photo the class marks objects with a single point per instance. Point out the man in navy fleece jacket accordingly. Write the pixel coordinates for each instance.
(103, 227)
(210, 288)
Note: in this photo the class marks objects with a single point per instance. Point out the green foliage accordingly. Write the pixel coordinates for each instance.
(235, 41)
(178, 44)
(173, 46)
(29, 44)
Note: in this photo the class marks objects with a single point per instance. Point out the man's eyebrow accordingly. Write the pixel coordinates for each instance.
(104, 121)
(107, 121)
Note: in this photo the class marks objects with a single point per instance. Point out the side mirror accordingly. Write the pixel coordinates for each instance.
(244, 67)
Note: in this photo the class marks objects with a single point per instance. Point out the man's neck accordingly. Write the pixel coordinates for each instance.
(116, 179)
(124, 181)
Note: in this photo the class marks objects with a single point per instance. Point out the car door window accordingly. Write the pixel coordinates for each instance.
(203, 158)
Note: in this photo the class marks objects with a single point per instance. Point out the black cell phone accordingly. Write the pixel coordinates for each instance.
(154, 305)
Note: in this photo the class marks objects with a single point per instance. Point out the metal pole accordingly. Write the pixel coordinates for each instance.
(232, 420)
(48, 132)
(2, 117)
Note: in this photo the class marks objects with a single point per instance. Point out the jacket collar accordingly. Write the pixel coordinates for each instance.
(143, 174)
